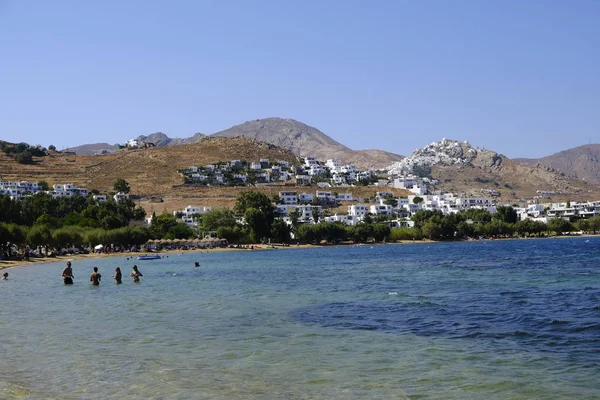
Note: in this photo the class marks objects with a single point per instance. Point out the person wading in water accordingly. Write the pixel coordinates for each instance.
(95, 277)
(67, 274)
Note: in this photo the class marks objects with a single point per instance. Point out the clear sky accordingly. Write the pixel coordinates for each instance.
(518, 77)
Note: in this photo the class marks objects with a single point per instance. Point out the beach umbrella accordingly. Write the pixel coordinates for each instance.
(98, 247)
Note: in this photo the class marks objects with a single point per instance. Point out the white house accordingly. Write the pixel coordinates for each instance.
(358, 210)
(325, 197)
(303, 179)
(132, 143)
(310, 161)
(254, 165)
(120, 196)
(346, 219)
(289, 198)
(381, 209)
(344, 196)
(306, 198)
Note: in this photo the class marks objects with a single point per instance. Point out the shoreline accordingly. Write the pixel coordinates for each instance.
(10, 264)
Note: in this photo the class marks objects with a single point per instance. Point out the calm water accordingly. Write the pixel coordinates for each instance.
(484, 320)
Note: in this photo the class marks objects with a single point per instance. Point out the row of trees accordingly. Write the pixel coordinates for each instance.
(80, 221)
(23, 152)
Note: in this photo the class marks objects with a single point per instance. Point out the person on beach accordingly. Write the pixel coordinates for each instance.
(5, 276)
(67, 274)
(95, 277)
(117, 276)
(136, 274)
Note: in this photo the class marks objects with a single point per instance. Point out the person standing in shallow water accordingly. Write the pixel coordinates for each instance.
(117, 276)
(95, 277)
(136, 274)
(67, 274)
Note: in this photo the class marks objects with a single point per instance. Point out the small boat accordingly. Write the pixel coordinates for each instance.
(150, 257)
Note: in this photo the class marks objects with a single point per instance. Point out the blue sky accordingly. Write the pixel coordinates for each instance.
(518, 77)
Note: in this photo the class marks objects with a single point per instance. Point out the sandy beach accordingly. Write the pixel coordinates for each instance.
(6, 264)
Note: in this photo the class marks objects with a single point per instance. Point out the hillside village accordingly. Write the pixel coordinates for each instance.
(310, 191)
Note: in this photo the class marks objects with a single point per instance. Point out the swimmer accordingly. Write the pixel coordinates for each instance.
(67, 274)
(95, 277)
(117, 276)
(196, 264)
(5, 276)
(136, 274)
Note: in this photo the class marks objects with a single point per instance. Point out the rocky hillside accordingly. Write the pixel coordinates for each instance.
(582, 162)
(305, 140)
(460, 167)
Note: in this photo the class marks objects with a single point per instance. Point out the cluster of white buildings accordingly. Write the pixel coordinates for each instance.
(19, 190)
(238, 173)
(188, 215)
(566, 210)
(387, 204)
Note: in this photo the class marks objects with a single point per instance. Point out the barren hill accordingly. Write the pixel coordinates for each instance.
(150, 171)
(305, 140)
(582, 162)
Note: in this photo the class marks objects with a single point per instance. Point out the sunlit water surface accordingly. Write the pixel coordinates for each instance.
(484, 320)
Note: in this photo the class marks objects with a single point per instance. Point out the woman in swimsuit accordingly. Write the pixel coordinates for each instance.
(117, 276)
(136, 274)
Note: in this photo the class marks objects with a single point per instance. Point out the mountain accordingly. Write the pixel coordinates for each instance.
(289, 134)
(463, 168)
(305, 140)
(582, 162)
(160, 139)
(91, 149)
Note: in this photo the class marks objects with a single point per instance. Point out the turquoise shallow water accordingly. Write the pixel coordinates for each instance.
(493, 320)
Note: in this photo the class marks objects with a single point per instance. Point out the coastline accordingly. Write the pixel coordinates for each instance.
(9, 264)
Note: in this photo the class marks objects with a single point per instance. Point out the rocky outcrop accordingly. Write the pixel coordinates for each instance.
(448, 152)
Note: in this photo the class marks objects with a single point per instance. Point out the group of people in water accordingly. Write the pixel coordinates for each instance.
(95, 277)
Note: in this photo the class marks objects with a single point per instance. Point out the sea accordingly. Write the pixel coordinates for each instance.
(515, 319)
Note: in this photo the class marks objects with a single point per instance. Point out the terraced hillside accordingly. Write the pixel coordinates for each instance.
(150, 171)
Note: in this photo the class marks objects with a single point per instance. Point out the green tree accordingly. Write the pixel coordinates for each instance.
(583, 225)
(43, 185)
(315, 214)
(217, 217)
(417, 200)
(258, 212)
(280, 231)
(39, 235)
(161, 224)
(432, 230)
(559, 225)
(390, 200)
(294, 219)
(48, 220)
(121, 185)
(505, 214)
(180, 231)
(24, 158)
